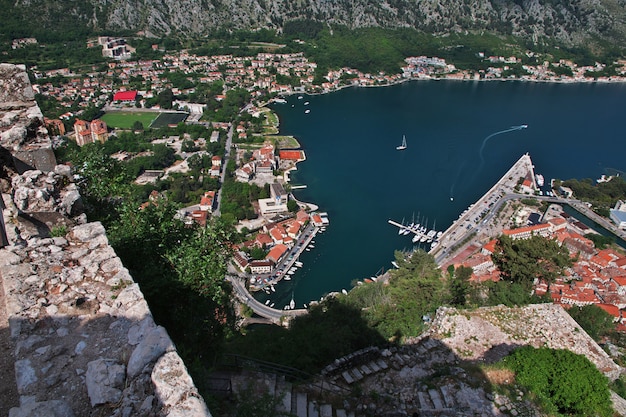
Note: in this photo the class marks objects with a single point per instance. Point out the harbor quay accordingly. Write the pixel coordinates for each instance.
(479, 216)
(281, 270)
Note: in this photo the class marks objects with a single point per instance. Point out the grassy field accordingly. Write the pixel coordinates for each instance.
(165, 119)
(285, 142)
(125, 119)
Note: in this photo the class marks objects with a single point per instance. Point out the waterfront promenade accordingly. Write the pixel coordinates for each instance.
(480, 216)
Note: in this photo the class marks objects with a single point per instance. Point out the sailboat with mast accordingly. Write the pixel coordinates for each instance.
(403, 145)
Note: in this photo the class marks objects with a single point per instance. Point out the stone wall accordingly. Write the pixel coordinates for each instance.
(85, 340)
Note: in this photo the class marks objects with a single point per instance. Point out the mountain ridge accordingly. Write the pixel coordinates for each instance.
(570, 23)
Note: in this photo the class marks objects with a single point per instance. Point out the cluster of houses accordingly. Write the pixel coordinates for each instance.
(276, 238)
(197, 213)
(90, 132)
(597, 276)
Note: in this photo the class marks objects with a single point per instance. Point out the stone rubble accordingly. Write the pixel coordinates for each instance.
(84, 332)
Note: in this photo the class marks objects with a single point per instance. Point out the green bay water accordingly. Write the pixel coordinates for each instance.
(460, 142)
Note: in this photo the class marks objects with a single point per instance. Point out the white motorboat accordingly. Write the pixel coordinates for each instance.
(403, 145)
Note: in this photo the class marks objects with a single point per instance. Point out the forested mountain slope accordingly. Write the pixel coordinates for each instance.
(573, 22)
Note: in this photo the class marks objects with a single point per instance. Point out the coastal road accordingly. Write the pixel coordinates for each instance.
(259, 308)
(229, 141)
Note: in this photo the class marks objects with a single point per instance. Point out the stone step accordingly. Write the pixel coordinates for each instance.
(381, 362)
(283, 393)
(448, 397)
(347, 377)
(313, 410)
(356, 374)
(373, 366)
(301, 405)
(365, 370)
(424, 399)
(436, 399)
(326, 410)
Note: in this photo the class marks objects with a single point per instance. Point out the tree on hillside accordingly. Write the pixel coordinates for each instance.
(415, 289)
(596, 322)
(523, 260)
(201, 260)
(458, 284)
(165, 98)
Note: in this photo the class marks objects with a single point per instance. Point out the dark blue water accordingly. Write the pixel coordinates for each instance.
(460, 142)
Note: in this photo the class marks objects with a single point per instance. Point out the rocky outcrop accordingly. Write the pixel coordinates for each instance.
(85, 340)
(22, 131)
(490, 333)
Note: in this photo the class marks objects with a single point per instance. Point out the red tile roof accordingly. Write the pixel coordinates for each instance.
(610, 308)
(276, 253)
(125, 96)
(291, 155)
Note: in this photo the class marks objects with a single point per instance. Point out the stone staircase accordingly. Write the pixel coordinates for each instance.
(423, 378)
(294, 400)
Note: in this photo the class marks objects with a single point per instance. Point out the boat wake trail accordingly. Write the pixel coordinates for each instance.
(482, 147)
(456, 179)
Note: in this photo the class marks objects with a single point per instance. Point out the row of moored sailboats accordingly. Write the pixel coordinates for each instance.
(422, 234)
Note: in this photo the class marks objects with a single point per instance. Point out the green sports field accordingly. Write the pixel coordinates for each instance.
(125, 120)
(168, 118)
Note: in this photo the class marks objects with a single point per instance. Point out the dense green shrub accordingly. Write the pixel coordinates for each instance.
(562, 381)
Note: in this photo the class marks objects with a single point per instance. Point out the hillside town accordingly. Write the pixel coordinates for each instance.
(261, 75)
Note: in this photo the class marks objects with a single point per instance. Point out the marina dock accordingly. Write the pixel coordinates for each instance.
(421, 233)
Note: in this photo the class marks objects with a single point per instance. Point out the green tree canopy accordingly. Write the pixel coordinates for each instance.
(562, 381)
(523, 260)
(593, 319)
(201, 260)
(396, 310)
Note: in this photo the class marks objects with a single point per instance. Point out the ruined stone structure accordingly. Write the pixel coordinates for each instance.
(83, 339)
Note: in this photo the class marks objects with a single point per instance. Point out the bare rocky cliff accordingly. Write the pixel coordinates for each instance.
(570, 22)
